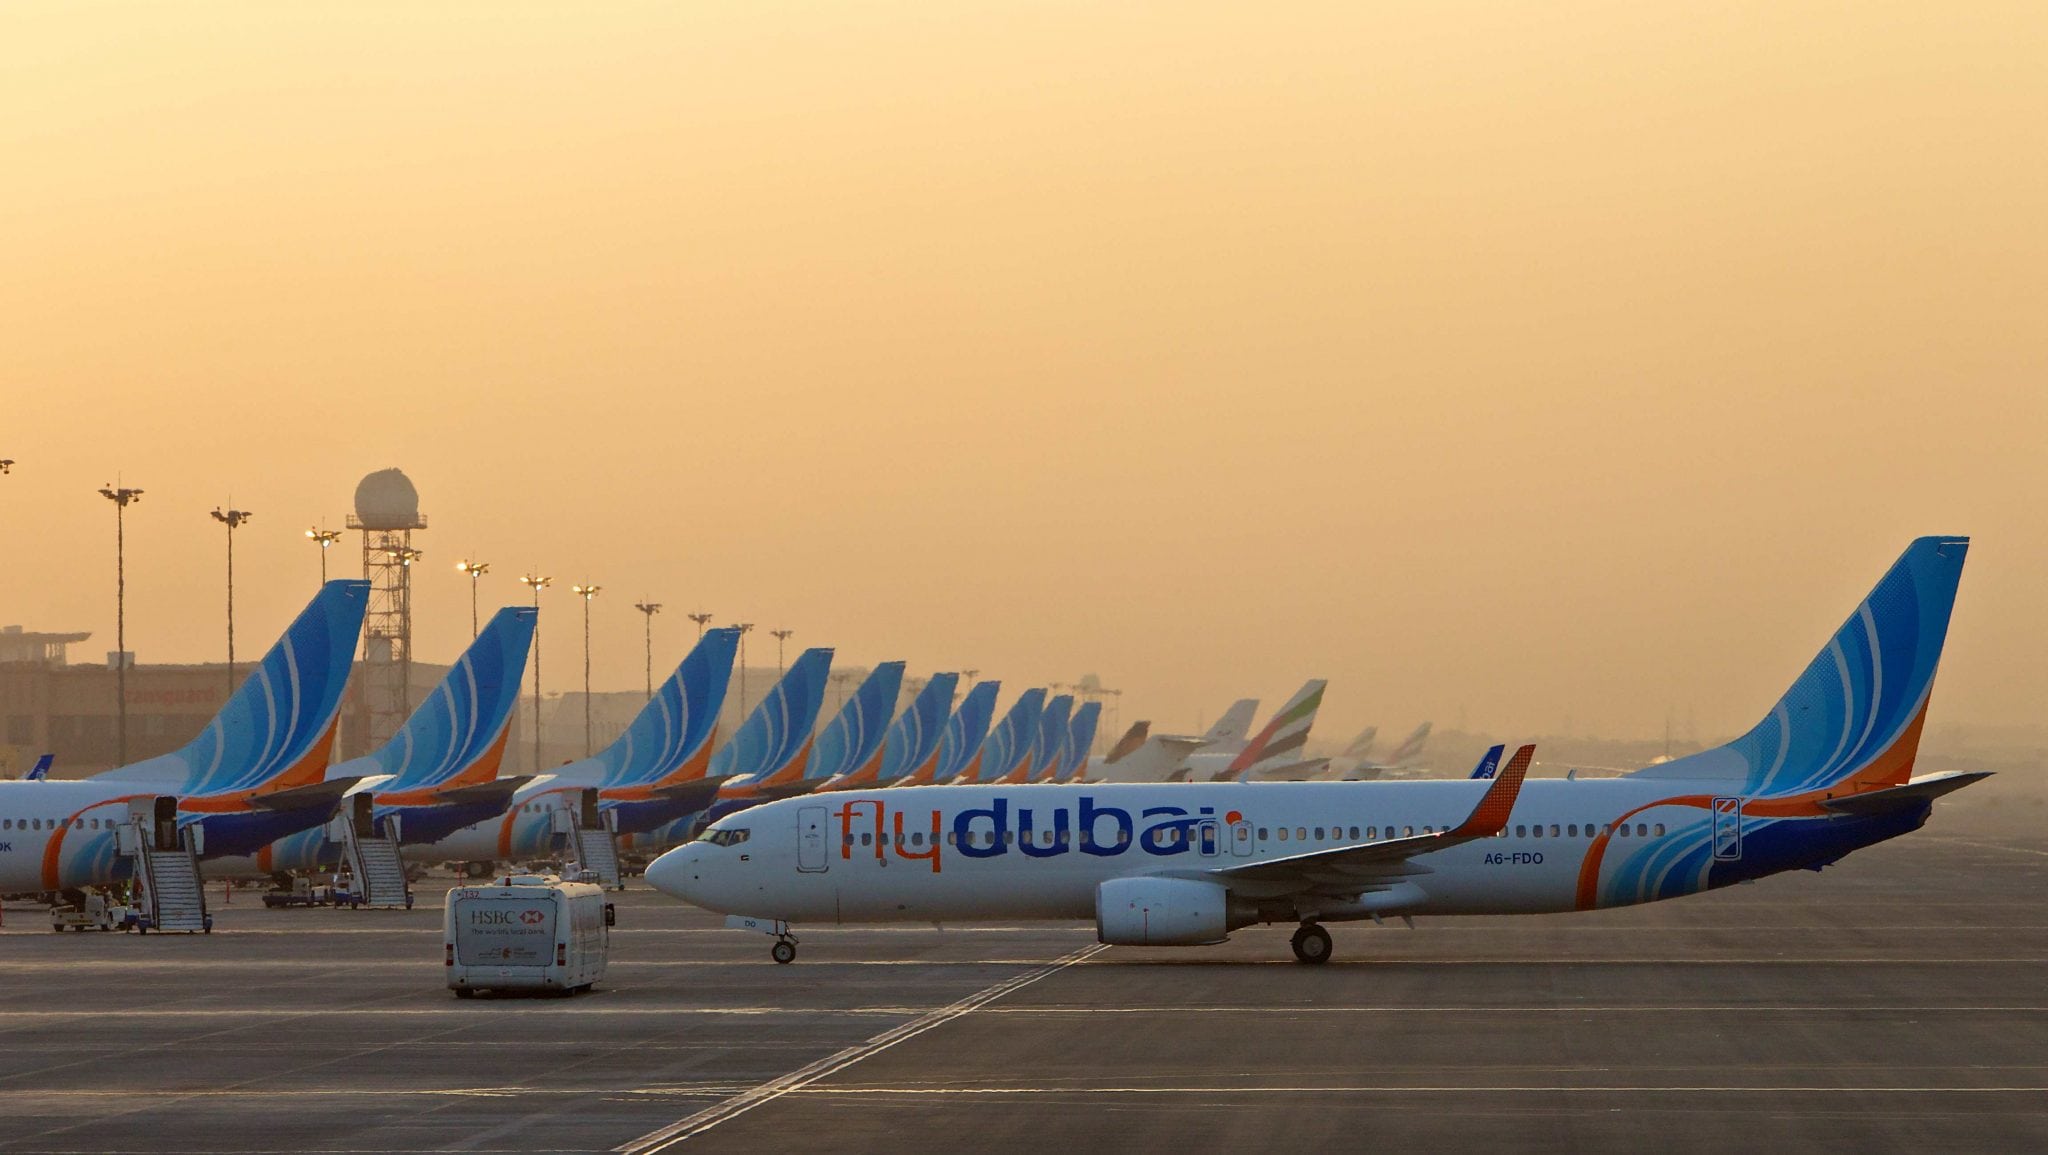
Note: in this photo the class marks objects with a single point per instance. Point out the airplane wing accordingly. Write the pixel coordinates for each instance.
(1362, 866)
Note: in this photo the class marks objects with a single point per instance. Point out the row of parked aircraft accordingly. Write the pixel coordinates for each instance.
(255, 794)
(1827, 771)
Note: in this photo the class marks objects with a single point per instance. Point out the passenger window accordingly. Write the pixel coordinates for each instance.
(1087, 839)
(1572, 830)
(1123, 838)
(1354, 834)
(1624, 830)
(1262, 834)
(1301, 834)
(1283, 834)
(917, 838)
(1553, 830)
(1372, 832)
(1319, 834)
(867, 840)
(1642, 830)
(1522, 831)
(952, 838)
(1659, 831)
(1536, 830)
(1063, 838)
(1408, 831)
(35, 823)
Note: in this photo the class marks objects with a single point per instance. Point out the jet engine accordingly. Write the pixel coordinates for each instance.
(1152, 911)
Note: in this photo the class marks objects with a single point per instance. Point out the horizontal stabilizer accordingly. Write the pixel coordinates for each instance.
(492, 791)
(1925, 788)
(305, 797)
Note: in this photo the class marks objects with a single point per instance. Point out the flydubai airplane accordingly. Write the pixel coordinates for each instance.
(655, 773)
(1075, 741)
(439, 773)
(257, 773)
(1827, 771)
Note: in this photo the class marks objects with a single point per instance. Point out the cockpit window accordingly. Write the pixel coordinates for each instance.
(731, 837)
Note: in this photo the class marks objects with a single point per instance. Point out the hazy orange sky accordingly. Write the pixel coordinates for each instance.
(1519, 362)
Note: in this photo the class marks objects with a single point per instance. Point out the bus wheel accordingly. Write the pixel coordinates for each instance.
(465, 992)
(1312, 944)
(783, 951)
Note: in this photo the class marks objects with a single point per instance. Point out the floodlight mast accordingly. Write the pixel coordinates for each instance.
(587, 593)
(650, 609)
(536, 583)
(323, 538)
(121, 496)
(475, 570)
(233, 519)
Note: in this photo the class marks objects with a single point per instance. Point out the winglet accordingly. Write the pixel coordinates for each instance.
(1490, 817)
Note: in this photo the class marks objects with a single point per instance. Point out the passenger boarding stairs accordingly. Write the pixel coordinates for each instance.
(595, 843)
(375, 866)
(170, 894)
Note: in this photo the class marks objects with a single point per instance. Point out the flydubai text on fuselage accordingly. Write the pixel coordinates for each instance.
(1827, 771)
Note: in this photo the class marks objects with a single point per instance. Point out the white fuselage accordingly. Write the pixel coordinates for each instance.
(85, 813)
(1080, 836)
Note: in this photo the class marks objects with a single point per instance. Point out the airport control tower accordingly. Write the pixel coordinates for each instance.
(387, 513)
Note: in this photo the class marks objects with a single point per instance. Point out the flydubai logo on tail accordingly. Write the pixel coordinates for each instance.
(869, 826)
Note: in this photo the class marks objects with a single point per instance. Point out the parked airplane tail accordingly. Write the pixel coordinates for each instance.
(1361, 746)
(1007, 753)
(457, 736)
(966, 731)
(1852, 719)
(912, 744)
(1235, 724)
(1129, 743)
(1410, 749)
(1080, 740)
(1488, 762)
(1049, 749)
(851, 743)
(276, 732)
(669, 741)
(41, 770)
(1286, 732)
(774, 743)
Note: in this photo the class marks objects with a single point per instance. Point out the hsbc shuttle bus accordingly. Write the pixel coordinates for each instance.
(529, 932)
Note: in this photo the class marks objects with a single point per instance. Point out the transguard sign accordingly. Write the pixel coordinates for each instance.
(505, 932)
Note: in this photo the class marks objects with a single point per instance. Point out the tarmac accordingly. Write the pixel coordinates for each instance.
(1895, 1000)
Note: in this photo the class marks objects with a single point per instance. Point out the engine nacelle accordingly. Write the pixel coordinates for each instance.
(1151, 911)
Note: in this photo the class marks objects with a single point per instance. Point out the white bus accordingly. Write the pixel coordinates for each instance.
(526, 932)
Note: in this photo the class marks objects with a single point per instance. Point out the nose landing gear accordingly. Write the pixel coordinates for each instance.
(1312, 944)
(784, 950)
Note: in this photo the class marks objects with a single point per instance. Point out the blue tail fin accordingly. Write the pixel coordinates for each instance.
(671, 736)
(41, 769)
(1009, 745)
(457, 734)
(277, 731)
(854, 735)
(775, 739)
(1080, 740)
(966, 731)
(1852, 720)
(1051, 746)
(1488, 762)
(915, 737)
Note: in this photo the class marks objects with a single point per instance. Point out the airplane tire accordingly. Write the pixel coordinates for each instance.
(1312, 944)
(783, 952)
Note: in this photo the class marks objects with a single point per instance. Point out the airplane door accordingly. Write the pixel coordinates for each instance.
(1727, 829)
(1241, 839)
(810, 839)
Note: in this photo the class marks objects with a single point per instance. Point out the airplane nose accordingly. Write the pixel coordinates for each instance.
(674, 873)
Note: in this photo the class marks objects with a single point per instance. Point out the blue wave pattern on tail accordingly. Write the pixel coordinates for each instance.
(856, 732)
(1050, 747)
(678, 721)
(463, 718)
(1012, 739)
(779, 727)
(1080, 740)
(918, 730)
(1859, 696)
(966, 730)
(281, 711)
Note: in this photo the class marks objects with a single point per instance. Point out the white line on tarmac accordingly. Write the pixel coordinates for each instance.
(1985, 845)
(702, 1121)
(1401, 1089)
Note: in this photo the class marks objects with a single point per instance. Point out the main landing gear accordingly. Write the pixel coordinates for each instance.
(784, 950)
(1312, 944)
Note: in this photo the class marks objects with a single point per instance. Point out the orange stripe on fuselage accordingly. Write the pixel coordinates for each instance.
(53, 849)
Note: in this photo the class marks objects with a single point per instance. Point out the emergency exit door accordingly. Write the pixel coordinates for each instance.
(810, 839)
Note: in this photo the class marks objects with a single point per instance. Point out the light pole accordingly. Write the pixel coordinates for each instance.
(323, 538)
(702, 619)
(650, 609)
(475, 570)
(120, 496)
(6, 465)
(586, 593)
(233, 519)
(780, 636)
(536, 583)
(744, 628)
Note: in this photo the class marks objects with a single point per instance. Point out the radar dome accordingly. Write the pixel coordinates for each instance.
(387, 500)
